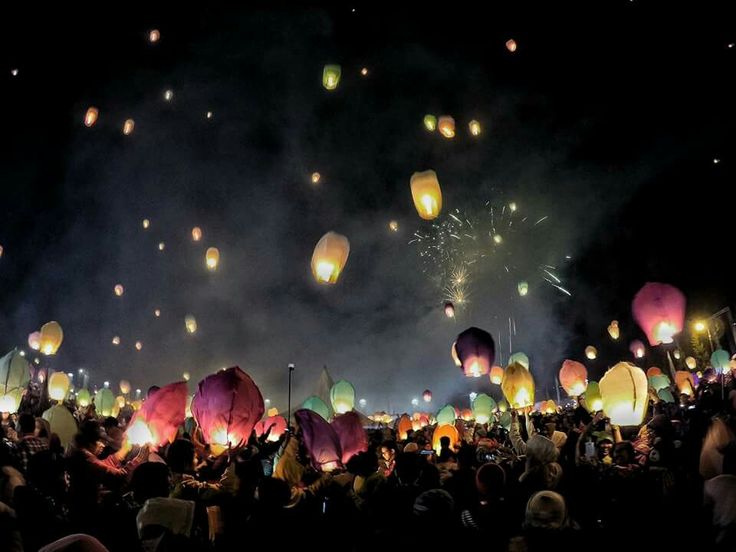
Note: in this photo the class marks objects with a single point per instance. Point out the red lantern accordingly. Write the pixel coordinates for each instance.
(427, 395)
(476, 352)
(275, 426)
(573, 377)
(659, 309)
(653, 371)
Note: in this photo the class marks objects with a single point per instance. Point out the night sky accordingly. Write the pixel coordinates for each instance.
(607, 120)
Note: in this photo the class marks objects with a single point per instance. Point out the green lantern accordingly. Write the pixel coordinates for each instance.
(659, 382)
(521, 358)
(505, 420)
(446, 415)
(83, 398)
(483, 407)
(593, 400)
(331, 76)
(14, 377)
(523, 288)
(342, 397)
(430, 122)
(719, 360)
(666, 395)
(104, 402)
(315, 404)
(62, 423)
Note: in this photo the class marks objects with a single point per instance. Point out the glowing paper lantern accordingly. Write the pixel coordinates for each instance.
(146, 223)
(483, 407)
(505, 420)
(153, 36)
(676, 353)
(161, 246)
(320, 440)
(593, 400)
(474, 127)
(15, 374)
(128, 127)
(212, 258)
(446, 415)
(426, 193)
(196, 233)
(496, 375)
(521, 358)
(511, 45)
(329, 257)
(573, 377)
(353, 438)
(185, 376)
(548, 407)
(427, 395)
(271, 412)
(444, 431)
(274, 425)
(637, 348)
(157, 313)
(446, 125)
(719, 360)
(90, 117)
(476, 351)
(190, 323)
(523, 288)
(403, 426)
(624, 394)
(34, 340)
(317, 405)
(393, 226)
(691, 363)
(659, 309)
(104, 402)
(62, 423)
(653, 371)
(665, 395)
(227, 405)
(124, 386)
(51, 337)
(466, 414)
(168, 95)
(503, 406)
(163, 413)
(591, 352)
(685, 382)
(613, 329)
(119, 290)
(453, 354)
(138, 433)
(518, 386)
(116, 340)
(138, 345)
(83, 398)
(449, 310)
(659, 382)
(342, 397)
(316, 177)
(58, 386)
(331, 76)
(430, 122)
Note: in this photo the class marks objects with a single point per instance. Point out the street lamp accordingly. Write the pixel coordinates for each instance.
(701, 326)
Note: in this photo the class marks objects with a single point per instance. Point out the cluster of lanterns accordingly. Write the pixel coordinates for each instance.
(48, 339)
(445, 124)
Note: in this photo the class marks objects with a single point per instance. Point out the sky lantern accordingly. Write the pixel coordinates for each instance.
(138, 345)
(453, 354)
(154, 36)
(317, 405)
(719, 360)
(83, 398)
(449, 310)
(677, 354)
(444, 431)
(104, 402)
(483, 407)
(685, 382)
(227, 405)
(90, 117)
(274, 425)
(430, 122)
(593, 400)
(591, 353)
(548, 407)
(331, 76)
(637, 349)
(116, 340)
(511, 45)
(474, 128)
(523, 288)
(393, 226)
(212, 258)
(476, 352)
(659, 309)
(342, 397)
(119, 290)
(51, 337)
(446, 126)
(427, 396)
(466, 414)
(518, 386)
(503, 406)
(62, 423)
(15, 374)
(573, 377)
(128, 127)
(124, 386)
(329, 257)
(196, 233)
(146, 224)
(658, 381)
(163, 412)
(320, 440)
(653, 371)
(271, 412)
(446, 415)
(496, 375)
(624, 394)
(352, 436)
(168, 95)
(185, 376)
(58, 386)
(34, 340)
(613, 330)
(316, 177)
(190, 323)
(161, 246)
(403, 426)
(426, 193)
(691, 363)
(157, 313)
(138, 433)
(521, 358)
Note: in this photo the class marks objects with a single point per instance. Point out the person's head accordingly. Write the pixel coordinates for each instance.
(411, 448)
(26, 424)
(89, 436)
(407, 468)
(546, 510)
(43, 428)
(623, 453)
(152, 391)
(605, 448)
(490, 480)
(445, 442)
(540, 450)
(115, 437)
(466, 456)
(550, 428)
(388, 451)
(150, 480)
(180, 456)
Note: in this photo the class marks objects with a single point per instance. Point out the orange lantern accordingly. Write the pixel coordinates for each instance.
(329, 257)
(404, 425)
(212, 258)
(624, 394)
(446, 126)
(496, 375)
(128, 127)
(573, 377)
(653, 371)
(51, 337)
(511, 45)
(90, 118)
(685, 382)
(444, 431)
(196, 233)
(427, 195)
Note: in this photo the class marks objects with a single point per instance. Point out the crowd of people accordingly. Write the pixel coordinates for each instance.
(565, 480)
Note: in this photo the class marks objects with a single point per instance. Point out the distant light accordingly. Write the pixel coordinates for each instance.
(90, 117)
(36, 361)
(154, 36)
(393, 226)
(730, 46)
(267, 401)
(362, 402)
(115, 341)
(69, 374)
(415, 402)
(512, 206)
(497, 239)
(14, 72)
(138, 345)
(511, 45)
(568, 257)
(107, 384)
(119, 290)
(157, 313)
(146, 223)
(474, 127)
(316, 177)
(128, 127)
(208, 115)
(473, 396)
(161, 246)
(716, 161)
(168, 95)
(22, 353)
(364, 71)
(81, 370)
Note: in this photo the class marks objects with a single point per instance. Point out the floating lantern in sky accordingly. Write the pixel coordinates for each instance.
(364, 71)
(691, 363)
(315, 404)
(676, 353)
(523, 288)
(446, 415)
(613, 329)
(427, 396)
(518, 386)
(138, 345)
(208, 115)
(116, 340)
(316, 177)
(449, 310)
(591, 353)
(521, 358)
(512, 206)
(496, 375)
(168, 95)
(58, 386)
(329, 257)
(511, 45)
(637, 349)
(624, 394)
(212, 258)
(146, 223)
(153, 36)
(474, 127)
(497, 239)
(190, 323)
(393, 226)
(157, 313)
(593, 400)
(659, 309)
(483, 407)
(476, 351)
(14, 72)
(685, 382)
(14, 377)
(430, 122)
(719, 360)
(34, 340)
(342, 397)
(185, 376)
(119, 289)
(51, 337)
(128, 127)
(161, 246)
(427, 195)
(331, 76)
(2, 250)
(573, 377)
(124, 386)
(446, 126)
(90, 117)
(196, 233)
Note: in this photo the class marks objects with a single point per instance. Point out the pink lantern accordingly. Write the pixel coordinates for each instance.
(275, 426)
(659, 309)
(476, 352)
(353, 438)
(34, 341)
(226, 406)
(158, 420)
(573, 377)
(637, 349)
(320, 440)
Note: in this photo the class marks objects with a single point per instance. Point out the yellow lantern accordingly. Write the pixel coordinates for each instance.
(146, 223)
(393, 226)
(161, 246)
(272, 412)
(124, 386)
(191, 323)
(119, 290)
(613, 329)
(316, 177)
(185, 376)
(120, 401)
(58, 386)
(430, 122)
(446, 125)
(212, 258)
(591, 352)
(518, 386)
(511, 45)
(691, 363)
(90, 118)
(128, 127)
(624, 394)
(51, 337)
(331, 76)
(474, 127)
(196, 233)
(427, 195)
(153, 36)
(329, 257)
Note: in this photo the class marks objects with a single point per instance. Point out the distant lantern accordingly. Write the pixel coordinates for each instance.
(138, 345)
(157, 313)
(119, 289)
(15, 374)
(446, 126)
(153, 36)
(719, 360)
(329, 257)
(427, 195)
(342, 397)
(496, 375)
(212, 258)
(427, 396)
(573, 377)
(90, 117)
(315, 404)
(613, 329)
(51, 337)
(476, 352)
(474, 127)
(34, 340)
(168, 95)
(331, 76)
(161, 246)
(128, 127)
(659, 309)
(511, 45)
(453, 353)
(521, 358)
(124, 386)
(637, 349)
(446, 415)
(685, 382)
(272, 412)
(116, 340)
(430, 122)
(593, 400)
(196, 233)
(518, 386)
(449, 310)
(14, 72)
(591, 353)
(676, 353)
(498, 240)
(512, 206)
(146, 223)
(58, 386)
(316, 177)
(190, 323)
(208, 114)
(105, 402)
(523, 288)
(364, 71)
(393, 226)
(691, 363)
(624, 394)
(659, 382)
(403, 426)
(482, 408)
(83, 398)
